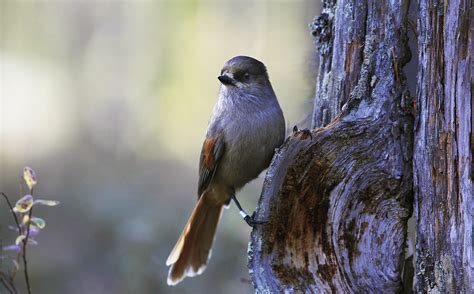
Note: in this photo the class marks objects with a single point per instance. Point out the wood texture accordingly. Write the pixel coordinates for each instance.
(337, 202)
(443, 162)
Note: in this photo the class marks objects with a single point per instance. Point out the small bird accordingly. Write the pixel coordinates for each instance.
(245, 128)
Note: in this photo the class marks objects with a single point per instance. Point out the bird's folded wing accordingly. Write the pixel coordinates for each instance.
(211, 155)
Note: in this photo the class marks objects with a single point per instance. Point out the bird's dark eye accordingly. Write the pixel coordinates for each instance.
(246, 75)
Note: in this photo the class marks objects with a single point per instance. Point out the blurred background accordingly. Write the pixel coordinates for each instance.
(109, 101)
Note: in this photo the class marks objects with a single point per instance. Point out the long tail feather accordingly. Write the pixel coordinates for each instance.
(192, 251)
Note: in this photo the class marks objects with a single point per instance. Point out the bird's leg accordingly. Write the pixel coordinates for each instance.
(242, 212)
(249, 219)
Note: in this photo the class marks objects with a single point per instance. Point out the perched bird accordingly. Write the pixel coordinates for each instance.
(245, 128)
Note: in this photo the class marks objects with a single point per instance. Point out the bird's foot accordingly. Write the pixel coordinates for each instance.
(251, 221)
(302, 134)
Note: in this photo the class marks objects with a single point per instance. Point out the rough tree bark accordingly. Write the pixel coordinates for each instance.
(443, 171)
(336, 202)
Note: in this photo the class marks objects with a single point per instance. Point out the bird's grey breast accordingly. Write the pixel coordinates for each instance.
(251, 134)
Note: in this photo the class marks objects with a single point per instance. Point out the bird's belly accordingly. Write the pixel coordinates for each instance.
(236, 171)
(248, 156)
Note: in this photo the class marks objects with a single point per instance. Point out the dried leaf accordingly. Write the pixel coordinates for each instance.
(46, 202)
(24, 204)
(29, 176)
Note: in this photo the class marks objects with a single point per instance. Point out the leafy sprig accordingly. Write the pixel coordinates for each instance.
(27, 227)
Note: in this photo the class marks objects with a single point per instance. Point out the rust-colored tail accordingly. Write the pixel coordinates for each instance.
(192, 251)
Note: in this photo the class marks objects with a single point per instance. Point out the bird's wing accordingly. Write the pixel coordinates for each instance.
(211, 155)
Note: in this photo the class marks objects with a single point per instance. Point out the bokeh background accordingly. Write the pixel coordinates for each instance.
(109, 101)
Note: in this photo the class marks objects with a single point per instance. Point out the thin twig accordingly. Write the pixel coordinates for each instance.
(5, 284)
(13, 273)
(25, 242)
(5, 279)
(13, 213)
(8, 283)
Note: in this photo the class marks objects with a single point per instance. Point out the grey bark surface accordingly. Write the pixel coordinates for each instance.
(336, 203)
(443, 162)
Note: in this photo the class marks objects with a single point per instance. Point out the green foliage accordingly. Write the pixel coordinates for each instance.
(27, 227)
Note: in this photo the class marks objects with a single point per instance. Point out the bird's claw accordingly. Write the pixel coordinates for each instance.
(252, 222)
(302, 134)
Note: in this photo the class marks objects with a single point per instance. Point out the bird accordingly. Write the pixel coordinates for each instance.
(246, 127)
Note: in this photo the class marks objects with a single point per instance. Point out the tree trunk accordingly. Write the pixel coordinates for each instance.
(443, 170)
(336, 202)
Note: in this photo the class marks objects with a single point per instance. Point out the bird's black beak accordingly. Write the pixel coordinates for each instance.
(226, 80)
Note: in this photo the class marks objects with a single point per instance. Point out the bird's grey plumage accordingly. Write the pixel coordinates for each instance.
(245, 128)
(251, 121)
(252, 130)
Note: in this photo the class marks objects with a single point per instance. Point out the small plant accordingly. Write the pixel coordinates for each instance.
(27, 226)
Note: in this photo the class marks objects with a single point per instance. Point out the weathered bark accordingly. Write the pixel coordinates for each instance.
(337, 202)
(443, 171)
(340, 44)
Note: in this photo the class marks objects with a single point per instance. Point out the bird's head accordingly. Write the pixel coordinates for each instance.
(243, 72)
